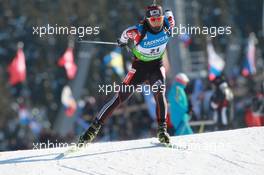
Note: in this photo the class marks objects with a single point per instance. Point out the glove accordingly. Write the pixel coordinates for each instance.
(169, 15)
(121, 44)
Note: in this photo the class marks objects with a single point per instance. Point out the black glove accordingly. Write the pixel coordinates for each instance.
(121, 44)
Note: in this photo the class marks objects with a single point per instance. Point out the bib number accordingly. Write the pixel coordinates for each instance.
(155, 51)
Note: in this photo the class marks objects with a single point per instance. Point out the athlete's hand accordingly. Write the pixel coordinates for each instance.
(121, 44)
(169, 15)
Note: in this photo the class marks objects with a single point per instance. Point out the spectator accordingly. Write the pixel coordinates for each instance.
(179, 106)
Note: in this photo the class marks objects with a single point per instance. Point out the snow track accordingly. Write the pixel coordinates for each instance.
(231, 152)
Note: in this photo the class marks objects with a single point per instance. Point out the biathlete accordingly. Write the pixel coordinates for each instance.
(147, 41)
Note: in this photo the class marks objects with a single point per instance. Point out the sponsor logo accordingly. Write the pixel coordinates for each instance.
(156, 42)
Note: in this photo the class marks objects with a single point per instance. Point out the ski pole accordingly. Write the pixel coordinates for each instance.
(97, 42)
(103, 42)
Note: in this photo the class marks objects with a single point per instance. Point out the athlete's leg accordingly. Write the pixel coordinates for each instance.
(130, 80)
(157, 79)
(107, 110)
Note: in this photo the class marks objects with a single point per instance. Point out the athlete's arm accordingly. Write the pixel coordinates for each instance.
(169, 15)
(130, 34)
(169, 21)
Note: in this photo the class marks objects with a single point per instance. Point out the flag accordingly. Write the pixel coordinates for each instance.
(68, 101)
(216, 64)
(115, 60)
(24, 115)
(17, 68)
(186, 39)
(67, 61)
(249, 67)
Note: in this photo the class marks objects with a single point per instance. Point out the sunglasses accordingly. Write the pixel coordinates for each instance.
(155, 18)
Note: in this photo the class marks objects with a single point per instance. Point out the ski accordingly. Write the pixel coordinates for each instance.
(169, 145)
(71, 150)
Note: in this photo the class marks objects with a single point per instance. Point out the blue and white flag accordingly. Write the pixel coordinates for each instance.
(216, 64)
(249, 67)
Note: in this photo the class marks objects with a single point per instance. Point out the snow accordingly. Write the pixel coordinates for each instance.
(233, 152)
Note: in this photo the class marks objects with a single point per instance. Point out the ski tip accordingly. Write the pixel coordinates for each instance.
(169, 145)
(60, 156)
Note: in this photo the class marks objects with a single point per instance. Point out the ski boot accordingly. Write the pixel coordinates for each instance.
(90, 134)
(162, 134)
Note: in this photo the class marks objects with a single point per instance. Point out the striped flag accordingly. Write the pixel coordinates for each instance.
(68, 101)
(216, 64)
(67, 61)
(249, 67)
